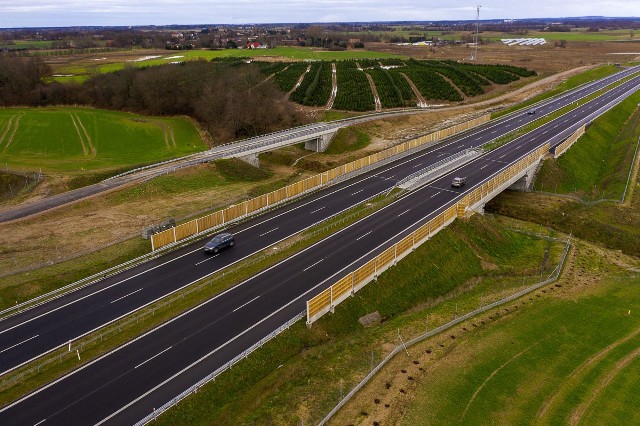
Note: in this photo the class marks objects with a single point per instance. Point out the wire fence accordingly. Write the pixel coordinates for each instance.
(404, 346)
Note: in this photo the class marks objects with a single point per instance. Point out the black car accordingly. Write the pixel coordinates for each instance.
(219, 242)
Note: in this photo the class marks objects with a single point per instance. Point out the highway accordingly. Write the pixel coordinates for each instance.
(65, 319)
(232, 321)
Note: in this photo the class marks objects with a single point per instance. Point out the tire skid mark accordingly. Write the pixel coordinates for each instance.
(6, 128)
(513, 358)
(84, 148)
(16, 124)
(88, 138)
(580, 410)
(580, 369)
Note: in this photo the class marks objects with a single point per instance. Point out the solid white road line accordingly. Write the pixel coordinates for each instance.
(18, 344)
(156, 355)
(126, 295)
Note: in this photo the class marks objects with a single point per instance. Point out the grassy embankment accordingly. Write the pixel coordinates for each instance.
(297, 377)
(572, 358)
(596, 166)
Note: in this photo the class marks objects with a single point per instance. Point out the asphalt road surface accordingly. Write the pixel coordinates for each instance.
(161, 364)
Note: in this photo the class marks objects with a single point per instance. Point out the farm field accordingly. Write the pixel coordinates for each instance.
(435, 80)
(79, 139)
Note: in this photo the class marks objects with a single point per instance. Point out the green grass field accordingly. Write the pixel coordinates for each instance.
(571, 360)
(83, 139)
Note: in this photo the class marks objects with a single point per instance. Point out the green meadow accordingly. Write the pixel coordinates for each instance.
(77, 139)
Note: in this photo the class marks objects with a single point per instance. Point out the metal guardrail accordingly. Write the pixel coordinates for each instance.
(225, 367)
(400, 348)
(438, 165)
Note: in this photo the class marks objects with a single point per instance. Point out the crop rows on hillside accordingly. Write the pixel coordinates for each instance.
(354, 91)
(316, 87)
(287, 79)
(392, 62)
(389, 92)
(435, 80)
(430, 84)
(495, 74)
(368, 63)
(269, 68)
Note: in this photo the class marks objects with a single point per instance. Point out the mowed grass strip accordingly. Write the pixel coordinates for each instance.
(77, 139)
(557, 362)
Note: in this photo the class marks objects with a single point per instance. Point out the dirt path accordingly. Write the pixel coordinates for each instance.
(374, 90)
(455, 87)
(299, 82)
(421, 101)
(334, 86)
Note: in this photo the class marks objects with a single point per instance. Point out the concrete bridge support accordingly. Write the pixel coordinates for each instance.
(321, 143)
(524, 183)
(251, 159)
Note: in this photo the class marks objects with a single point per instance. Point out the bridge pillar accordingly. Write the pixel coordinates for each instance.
(251, 159)
(524, 183)
(321, 143)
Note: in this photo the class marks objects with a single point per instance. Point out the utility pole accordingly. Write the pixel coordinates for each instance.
(474, 54)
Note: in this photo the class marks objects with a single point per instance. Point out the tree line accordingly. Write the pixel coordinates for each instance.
(230, 100)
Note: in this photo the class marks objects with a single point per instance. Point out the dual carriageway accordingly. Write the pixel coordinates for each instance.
(130, 382)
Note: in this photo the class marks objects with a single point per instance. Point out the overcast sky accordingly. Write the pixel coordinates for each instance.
(58, 13)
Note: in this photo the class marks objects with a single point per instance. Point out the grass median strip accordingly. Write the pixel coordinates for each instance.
(61, 361)
(502, 140)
